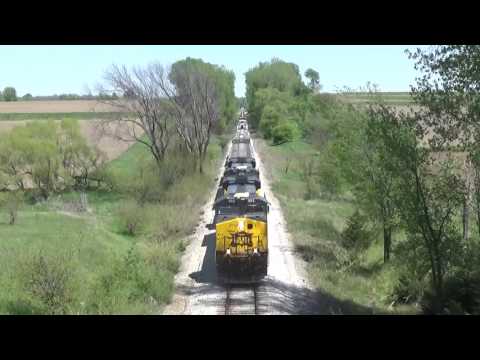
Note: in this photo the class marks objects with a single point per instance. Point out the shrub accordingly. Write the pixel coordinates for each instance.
(11, 202)
(49, 282)
(132, 218)
(174, 168)
(355, 236)
(408, 290)
(131, 284)
(286, 131)
(461, 288)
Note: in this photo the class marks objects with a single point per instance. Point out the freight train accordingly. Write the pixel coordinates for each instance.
(241, 209)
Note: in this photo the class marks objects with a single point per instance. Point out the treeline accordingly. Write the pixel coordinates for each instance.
(415, 173)
(10, 94)
(412, 175)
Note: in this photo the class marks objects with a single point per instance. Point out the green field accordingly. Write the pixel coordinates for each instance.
(316, 226)
(106, 271)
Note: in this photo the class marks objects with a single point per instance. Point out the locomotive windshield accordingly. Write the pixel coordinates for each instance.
(237, 188)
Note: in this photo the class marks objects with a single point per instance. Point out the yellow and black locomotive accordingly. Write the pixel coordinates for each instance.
(241, 208)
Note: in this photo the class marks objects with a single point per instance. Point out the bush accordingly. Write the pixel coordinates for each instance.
(132, 218)
(11, 202)
(175, 167)
(131, 284)
(408, 290)
(462, 292)
(355, 236)
(286, 131)
(49, 282)
(461, 288)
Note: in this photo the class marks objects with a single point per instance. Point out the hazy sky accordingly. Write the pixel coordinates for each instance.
(48, 70)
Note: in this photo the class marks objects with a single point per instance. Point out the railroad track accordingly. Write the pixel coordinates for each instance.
(241, 300)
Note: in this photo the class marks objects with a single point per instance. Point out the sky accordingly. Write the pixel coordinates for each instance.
(47, 70)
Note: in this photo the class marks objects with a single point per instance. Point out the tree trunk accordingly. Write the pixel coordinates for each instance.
(477, 198)
(201, 158)
(438, 278)
(13, 217)
(387, 243)
(466, 214)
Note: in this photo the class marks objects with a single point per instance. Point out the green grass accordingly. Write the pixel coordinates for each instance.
(316, 226)
(57, 116)
(112, 273)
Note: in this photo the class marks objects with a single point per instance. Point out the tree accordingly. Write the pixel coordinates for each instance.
(359, 152)
(276, 74)
(189, 99)
(314, 78)
(80, 161)
(430, 193)
(144, 109)
(198, 95)
(27, 97)
(49, 156)
(449, 90)
(9, 94)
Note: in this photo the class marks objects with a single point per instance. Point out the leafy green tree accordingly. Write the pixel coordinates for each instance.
(27, 97)
(430, 193)
(314, 78)
(276, 74)
(449, 89)
(9, 94)
(53, 156)
(223, 79)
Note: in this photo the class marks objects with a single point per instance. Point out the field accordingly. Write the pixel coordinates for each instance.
(391, 98)
(59, 106)
(88, 112)
(316, 227)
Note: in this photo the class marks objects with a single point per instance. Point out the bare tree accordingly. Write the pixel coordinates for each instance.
(145, 111)
(195, 104)
(158, 101)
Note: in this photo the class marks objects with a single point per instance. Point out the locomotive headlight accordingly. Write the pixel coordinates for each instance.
(241, 225)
